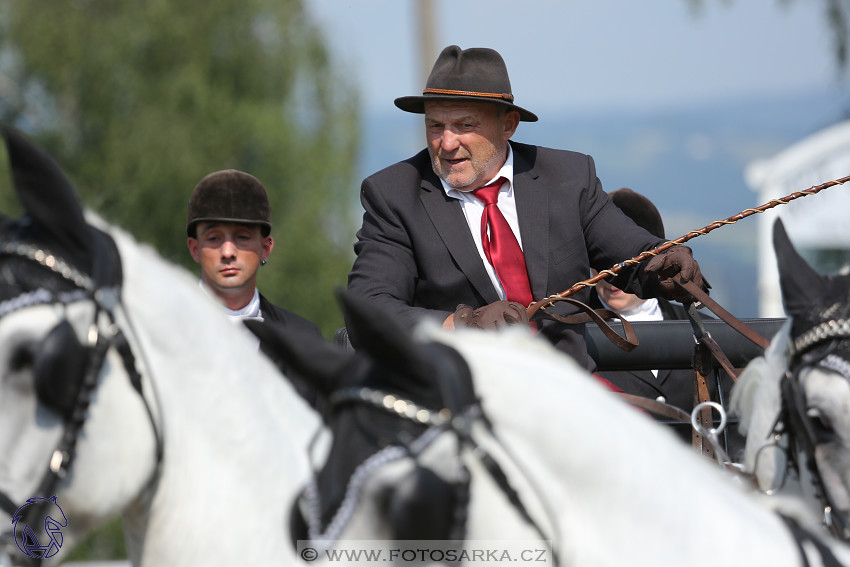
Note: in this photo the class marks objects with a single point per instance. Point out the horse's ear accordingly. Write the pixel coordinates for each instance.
(325, 365)
(801, 285)
(388, 343)
(48, 199)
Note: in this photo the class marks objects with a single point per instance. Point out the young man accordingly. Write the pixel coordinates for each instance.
(424, 251)
(228, 229)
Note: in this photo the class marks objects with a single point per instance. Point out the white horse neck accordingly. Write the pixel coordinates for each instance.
(234, 431)
(620, 489)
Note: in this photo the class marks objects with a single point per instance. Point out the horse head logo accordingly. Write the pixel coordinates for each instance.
(39, 511)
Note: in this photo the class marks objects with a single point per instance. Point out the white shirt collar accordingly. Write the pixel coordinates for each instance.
(648, 310)
(250, 311)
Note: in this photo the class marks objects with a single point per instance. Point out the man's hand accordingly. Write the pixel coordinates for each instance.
(493, 316)
(677, 261)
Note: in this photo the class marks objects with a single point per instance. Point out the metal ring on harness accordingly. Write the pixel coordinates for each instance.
(712, 431)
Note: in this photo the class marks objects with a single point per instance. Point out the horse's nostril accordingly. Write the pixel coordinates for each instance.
(22, 358)
(819, 420)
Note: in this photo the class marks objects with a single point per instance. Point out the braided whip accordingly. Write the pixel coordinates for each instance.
(543, 303)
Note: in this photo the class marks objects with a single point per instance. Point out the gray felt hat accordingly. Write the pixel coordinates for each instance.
(477, 73)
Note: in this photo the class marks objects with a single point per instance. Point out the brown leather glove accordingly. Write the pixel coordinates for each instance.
(677, 261)
(493, 316)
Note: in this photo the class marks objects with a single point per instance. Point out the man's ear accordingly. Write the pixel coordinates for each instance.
(194, 249)
(510, 122)
(268, 245)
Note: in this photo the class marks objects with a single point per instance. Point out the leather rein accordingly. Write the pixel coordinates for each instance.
(707, 352)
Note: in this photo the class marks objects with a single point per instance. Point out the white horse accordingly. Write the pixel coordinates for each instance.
(794, 402)
(202, 457)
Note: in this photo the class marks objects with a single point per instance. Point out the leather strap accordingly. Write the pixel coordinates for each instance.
(801, 535)
(598, 316)
(720, 357)
(705, 350)
(703, 417)
(727, 317)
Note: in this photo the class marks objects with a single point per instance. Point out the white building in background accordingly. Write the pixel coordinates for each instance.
(818, 225)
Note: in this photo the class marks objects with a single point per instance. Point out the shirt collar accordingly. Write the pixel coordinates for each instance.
(250, 311)
(507, 171)
(648, 310)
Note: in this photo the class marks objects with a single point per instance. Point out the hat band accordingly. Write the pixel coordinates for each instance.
(504, 96)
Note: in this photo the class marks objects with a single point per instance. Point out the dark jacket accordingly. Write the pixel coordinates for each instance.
(281, 316)
(416, 257)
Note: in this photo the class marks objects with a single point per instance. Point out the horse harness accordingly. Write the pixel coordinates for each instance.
(457, 417)
(707, 355)
(61, 353)
(806, 433)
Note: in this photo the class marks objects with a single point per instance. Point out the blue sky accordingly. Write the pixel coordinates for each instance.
(591, 54)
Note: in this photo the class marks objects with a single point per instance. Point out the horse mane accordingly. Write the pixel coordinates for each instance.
(757, 401)
(758, 384)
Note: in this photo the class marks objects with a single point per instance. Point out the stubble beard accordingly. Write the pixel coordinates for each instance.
(494, 161)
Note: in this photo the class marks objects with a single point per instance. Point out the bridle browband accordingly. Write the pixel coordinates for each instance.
(402, 407)
(106, 299)
(50, 261)
(826, 331)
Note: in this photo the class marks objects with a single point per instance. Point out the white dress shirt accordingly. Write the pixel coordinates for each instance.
(473, 208)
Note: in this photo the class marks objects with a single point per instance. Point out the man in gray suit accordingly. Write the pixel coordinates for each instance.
(433, 245)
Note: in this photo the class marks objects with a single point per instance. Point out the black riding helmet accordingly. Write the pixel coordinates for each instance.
(229, 196)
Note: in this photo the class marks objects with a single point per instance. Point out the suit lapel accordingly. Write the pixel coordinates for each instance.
(447, 217)
(648, 378)
(532, 205)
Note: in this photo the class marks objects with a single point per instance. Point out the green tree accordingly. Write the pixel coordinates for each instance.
(139, 100)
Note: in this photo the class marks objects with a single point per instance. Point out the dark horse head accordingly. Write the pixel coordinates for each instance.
(50, 251)
(377, 402)
(52, 255)
(53, 221)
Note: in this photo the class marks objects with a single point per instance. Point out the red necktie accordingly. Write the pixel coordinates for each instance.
(501, 248)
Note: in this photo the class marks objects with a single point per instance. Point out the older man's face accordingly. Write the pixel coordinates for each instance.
(468, 141)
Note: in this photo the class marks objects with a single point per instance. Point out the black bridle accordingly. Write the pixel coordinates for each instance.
(459, 423)
(805, 434)
(101, 338)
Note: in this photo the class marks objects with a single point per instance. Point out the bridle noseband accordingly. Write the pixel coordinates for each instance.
(100, 339)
